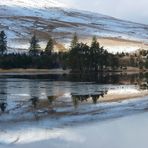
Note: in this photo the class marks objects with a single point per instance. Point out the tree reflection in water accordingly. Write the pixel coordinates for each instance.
(51, 99)
(38, 85)
(144, 86)
(77, 99)
(34, 101)
(3, 95)
(38, 103)
(3, 106)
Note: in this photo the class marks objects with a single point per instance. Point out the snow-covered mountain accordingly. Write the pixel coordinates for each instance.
(33, 3)
(22, 18)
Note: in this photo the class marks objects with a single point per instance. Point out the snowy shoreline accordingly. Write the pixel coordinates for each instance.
(87, 114)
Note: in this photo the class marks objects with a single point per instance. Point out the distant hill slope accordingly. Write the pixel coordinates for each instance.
(22, 18)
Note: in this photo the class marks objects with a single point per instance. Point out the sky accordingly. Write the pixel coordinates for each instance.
(133, 10)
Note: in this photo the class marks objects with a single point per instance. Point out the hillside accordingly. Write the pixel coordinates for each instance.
(22, 18)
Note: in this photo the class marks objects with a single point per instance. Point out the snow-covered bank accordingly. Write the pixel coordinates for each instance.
(46, 128)
(117, 133)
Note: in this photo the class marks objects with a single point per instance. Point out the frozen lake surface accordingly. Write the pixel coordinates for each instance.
(74, 111)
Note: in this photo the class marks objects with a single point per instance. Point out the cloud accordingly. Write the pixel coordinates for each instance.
(125, 9)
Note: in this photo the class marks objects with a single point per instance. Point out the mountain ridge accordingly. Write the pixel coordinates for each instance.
(33, 3)
(21, 21)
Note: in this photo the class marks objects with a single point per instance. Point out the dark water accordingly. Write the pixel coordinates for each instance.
(14, 90)
(101, 78)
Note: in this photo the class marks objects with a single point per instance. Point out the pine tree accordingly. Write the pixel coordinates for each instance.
(94, 54)
(34, 46)
(3, 42)
(78, 57)
(95, 43)
(74, 41)
(50, 46)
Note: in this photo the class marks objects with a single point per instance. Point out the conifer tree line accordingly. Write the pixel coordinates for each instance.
(80, 56)
(3, 43)
(86, 58)
(34, 58)
(34, 49)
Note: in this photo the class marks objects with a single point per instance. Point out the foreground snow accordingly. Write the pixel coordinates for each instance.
(23, 132)
(120, 132)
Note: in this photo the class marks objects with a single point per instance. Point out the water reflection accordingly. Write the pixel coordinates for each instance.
(51, 99)
(47, 103)
(144, 86)
(66, 99)
(3, 95)
(49, 91)
(3, 106)
(77, 99)
(96, 97)
(34, 101)
(101, 78)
